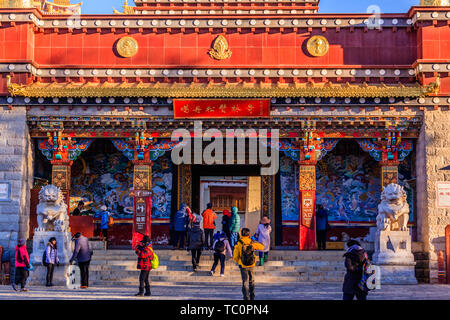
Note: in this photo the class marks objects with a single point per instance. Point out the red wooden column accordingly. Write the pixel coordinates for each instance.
(307, 204)
(61, 175)
(310, 148)
(142, 190)
(142, 186)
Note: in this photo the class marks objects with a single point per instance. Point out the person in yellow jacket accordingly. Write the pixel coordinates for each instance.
(244, 256)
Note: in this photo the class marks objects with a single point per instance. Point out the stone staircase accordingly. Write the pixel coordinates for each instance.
(118, 267)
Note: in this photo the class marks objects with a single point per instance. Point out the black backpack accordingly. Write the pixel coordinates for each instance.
(219, 246)
(248, 254)
(44, 258)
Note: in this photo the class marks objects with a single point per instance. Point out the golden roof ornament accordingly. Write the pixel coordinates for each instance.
(434, 2)
(220, 49)
(126, 9)
(318, 46)
(127, 47)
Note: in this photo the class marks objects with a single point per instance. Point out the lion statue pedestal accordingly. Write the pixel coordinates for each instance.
(392, 239)
(53, 221)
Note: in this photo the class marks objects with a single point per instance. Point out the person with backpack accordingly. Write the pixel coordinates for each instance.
(22, 263)
(235, 226)
(195, 242)
(262, 235)
(244, 256)
(145, 258)
(355, 259)
(209, 225)
(221, 248)
(105, 222)
(226, 221)
(82, 254)
(50, 259)
(180, 221)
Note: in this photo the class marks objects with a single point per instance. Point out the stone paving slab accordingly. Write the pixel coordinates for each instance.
(227, 292)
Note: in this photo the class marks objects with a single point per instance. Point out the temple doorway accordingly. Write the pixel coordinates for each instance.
(226, 186)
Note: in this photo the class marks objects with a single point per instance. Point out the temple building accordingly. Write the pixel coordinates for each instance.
(349, 102)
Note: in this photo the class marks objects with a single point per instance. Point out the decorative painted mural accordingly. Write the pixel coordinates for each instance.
(289, 189)
(162, 187)
(348, 185)
(106, 179)
(103, 179)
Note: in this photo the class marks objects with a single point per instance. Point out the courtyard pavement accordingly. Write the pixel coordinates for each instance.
(228, 292)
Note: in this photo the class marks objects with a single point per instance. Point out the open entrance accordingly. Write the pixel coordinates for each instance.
(227, 186)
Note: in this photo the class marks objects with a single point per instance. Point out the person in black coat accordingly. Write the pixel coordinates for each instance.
(354, 261)
(195, 242)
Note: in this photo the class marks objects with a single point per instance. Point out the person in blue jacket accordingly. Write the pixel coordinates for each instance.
(181, 221)
(104, 215)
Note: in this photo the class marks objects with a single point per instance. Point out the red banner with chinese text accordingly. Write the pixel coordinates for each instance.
(307, 230)
(221, 108)
(142, 216)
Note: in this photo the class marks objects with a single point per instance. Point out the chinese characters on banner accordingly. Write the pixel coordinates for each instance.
(307, 207)
(443, 194)
(142, 215)
(221, 109)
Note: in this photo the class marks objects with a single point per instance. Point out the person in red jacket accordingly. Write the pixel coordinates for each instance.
(209, 225)
(22, 261)
(145, 257)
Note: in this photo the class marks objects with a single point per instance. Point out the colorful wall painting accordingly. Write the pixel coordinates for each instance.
(162, 187)
(348, 184)
(289, 188)
(104, 176)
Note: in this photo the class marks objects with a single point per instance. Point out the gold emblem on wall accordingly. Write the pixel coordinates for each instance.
(318, 46)
(127, 47)
(220, 49)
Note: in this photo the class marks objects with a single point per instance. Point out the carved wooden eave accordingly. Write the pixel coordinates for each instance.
(218, 90)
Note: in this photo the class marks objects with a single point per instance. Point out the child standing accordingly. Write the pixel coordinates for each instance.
(221, 248)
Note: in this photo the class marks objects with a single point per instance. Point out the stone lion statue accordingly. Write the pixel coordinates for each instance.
(52, 210)
(393, 211)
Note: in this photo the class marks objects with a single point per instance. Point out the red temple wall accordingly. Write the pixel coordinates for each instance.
(260, 49)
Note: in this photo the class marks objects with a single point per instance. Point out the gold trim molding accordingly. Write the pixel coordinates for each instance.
(440, 3)
(222, 90)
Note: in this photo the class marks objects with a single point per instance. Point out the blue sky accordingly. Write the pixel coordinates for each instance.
(326, 6)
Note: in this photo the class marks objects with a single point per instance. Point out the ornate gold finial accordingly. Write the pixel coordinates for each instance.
(126, 9)
(434, 2)
(434, 87)
(127, 47)
(220, 49)
(318, 46)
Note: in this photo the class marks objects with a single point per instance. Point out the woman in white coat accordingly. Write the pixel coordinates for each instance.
(263, 236)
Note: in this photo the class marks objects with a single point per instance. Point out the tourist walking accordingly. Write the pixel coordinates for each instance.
(82, 254)
(209, 225)
(221, 248)
(195, 242)
(181, 220)
(145, 257)
(355, 258)
(226, 221)
(51, 259)
(263, 236)
(22, 263)
(321, 227)
(104, 215)
(235, 226)
(244, 256)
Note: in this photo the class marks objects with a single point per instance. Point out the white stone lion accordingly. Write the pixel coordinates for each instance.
(52, 210)
(393, 211)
